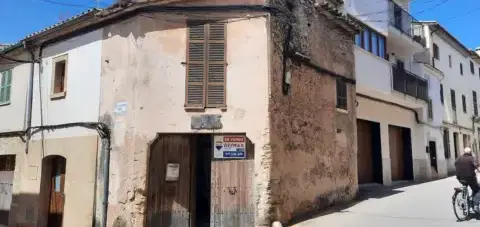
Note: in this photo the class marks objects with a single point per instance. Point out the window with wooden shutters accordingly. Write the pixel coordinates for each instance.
(430, 109)
(475, 105)
(441, 93)
(446, 143)
(206, 78)
(5, 86)
(452, 97)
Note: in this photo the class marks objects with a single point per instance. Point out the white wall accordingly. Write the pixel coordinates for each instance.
(372, 71)
(81, 103)
(434, 128)
(463, 85)
(12, 116)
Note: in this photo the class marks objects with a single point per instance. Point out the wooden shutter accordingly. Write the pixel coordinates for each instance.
(454, 102)
(216, 66)
(195, 85)
(441, 93)
(5, 86)
(475, 105)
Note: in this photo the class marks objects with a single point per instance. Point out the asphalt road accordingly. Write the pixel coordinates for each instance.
(423, 205)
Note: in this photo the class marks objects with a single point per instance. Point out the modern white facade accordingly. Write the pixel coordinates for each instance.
(461, 82)
(393, 92)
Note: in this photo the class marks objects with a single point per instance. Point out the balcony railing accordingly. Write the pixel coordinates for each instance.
(409, 83)
(405, 23)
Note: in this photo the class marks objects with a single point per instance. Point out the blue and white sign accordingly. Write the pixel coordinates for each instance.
(120, 108)
(229, 147)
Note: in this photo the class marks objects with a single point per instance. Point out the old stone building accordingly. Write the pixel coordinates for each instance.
(286, 84)
(236, 114)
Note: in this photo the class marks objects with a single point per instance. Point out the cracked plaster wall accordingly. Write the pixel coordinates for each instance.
(142, 66)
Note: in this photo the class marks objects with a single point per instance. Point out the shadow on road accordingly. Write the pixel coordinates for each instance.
(365, 192)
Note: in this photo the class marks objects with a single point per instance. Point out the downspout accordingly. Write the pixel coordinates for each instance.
(28, 109)
(105, 174)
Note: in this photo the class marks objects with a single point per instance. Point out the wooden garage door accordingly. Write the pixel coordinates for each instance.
(232, 198)
(397, 152)
(364, 154)
(169, 201)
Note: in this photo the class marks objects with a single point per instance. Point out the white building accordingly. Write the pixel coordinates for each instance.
(393, 93)
(460, 87)
(49, 167)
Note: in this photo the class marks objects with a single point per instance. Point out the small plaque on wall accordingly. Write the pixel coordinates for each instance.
(206, 121)
(173, 172)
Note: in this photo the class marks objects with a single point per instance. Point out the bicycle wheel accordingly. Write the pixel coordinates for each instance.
(460, 206)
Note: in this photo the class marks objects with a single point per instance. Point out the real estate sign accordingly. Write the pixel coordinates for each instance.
(229, 147)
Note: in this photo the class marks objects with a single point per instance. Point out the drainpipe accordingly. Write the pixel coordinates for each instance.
(105, 174)
(28, 109)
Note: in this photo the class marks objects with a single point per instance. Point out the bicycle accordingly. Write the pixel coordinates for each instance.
(464, 200)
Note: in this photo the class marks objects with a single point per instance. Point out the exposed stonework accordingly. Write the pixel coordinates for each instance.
(313, 144)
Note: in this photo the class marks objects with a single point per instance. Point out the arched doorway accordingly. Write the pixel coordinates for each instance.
(52, 191)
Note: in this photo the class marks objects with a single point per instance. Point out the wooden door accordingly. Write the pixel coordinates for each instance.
(365, 152)
(7, 167)
(168, 202)
(57, 195)
(396, 152)
(231, 191)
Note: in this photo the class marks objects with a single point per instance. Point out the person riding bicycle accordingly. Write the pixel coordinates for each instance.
(465, 167)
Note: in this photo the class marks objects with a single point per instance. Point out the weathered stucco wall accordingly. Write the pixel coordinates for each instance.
(80, 155)
(142, 66)
(313, 143)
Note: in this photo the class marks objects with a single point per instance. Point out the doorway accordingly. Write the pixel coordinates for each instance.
(52, 192)
(400, 144)
(187, 187)
(432, 147)
(202, 180)
(455, 144)
(369, 155)
(7, 168)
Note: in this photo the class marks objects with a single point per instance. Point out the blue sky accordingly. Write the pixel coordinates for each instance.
(22, 17)
(459, 17)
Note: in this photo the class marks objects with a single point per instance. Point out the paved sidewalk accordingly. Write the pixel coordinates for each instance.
(423, 205)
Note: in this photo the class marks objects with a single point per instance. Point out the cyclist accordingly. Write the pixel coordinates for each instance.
(465, 167)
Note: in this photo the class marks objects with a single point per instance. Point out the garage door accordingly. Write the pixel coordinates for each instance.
(364, 154)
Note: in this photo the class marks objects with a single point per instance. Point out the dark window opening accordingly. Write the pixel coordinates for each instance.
(436, 52)
(452, 97)
(430, 109)
(446, 143)
(441, 93)
(464, 104)
(342, 94)
(475, 106)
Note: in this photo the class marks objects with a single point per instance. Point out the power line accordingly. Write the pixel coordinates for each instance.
(435, 6)
(467, 14)
(67, 4)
